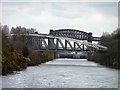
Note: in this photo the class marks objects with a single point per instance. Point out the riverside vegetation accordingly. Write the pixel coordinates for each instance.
(111, 58)
(16, 55)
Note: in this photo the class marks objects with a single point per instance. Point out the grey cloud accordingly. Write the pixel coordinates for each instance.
(63, 9)
(108, 8)
(19, 13)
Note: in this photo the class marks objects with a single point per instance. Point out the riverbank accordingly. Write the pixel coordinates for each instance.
(16, 54)
(17, 62)
(111, 58)
(100, 59)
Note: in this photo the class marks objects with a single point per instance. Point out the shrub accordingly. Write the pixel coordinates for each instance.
(25, 52)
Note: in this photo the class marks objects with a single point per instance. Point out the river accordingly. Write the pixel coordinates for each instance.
(63, 73)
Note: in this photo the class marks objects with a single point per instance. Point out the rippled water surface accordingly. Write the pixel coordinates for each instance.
(63, 73)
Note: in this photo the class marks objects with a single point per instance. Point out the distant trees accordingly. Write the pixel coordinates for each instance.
(22, 30)
(5, 30)
(16, 55)
(111, 58)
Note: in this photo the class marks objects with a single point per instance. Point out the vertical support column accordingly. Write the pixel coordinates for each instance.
(57, 45)
(56, 48)
(40, 43)
(74, 46)
(89, 37)
(51, 44)
(75, 50)
(65, 44)
(83, 47)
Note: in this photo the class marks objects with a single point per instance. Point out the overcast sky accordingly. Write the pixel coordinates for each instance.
(95, 17)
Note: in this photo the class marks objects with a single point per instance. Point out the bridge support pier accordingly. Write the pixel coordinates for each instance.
(55, 54)
(89, 57)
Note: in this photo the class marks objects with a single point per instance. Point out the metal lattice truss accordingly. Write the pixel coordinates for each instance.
(76, 34)
(42, 42)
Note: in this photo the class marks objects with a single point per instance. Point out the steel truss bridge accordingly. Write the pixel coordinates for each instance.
(63, 40)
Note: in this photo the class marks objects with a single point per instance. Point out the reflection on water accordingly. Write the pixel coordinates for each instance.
(63, 73)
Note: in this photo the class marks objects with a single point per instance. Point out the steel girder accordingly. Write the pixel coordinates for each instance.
(37, 40)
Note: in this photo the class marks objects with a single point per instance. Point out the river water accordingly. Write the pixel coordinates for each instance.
(63, 73)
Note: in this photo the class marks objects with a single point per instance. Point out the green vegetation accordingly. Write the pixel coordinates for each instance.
(16, 55)
(111, 58)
